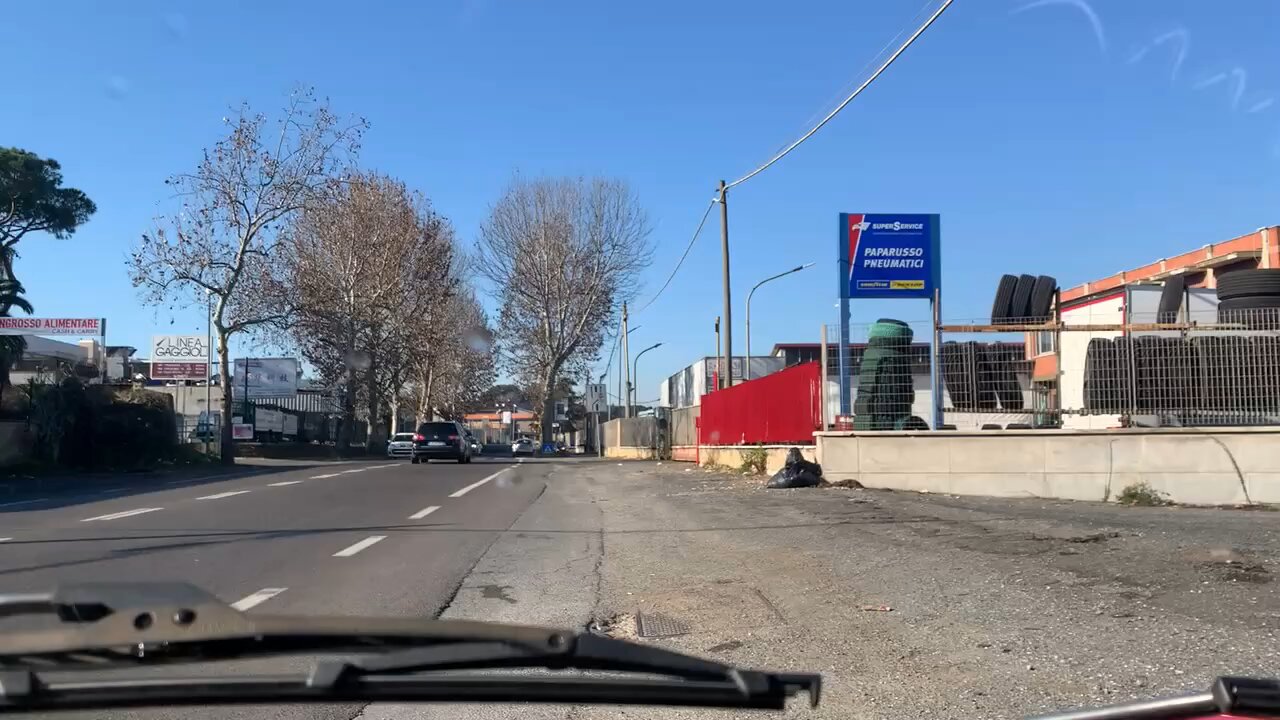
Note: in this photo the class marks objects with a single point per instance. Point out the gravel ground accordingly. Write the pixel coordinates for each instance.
(909, 605)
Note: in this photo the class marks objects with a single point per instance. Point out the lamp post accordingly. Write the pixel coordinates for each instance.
(636, 369)
(746, 372)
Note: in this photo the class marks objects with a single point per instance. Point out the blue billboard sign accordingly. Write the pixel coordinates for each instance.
(889, 256)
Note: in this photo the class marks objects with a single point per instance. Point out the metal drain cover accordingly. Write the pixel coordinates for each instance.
(655, 626)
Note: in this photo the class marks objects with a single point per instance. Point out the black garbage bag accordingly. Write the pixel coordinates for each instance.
(796, 473)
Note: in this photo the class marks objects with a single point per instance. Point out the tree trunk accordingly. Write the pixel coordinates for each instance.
(345, 425)
(549, 403)
(224, 377)
(371, 389)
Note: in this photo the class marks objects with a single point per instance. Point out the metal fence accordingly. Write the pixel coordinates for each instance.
(1092, 369)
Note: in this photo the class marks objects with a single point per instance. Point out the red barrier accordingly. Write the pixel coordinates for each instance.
(784, 407)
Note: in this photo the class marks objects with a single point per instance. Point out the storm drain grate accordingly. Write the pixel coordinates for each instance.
(656, 626)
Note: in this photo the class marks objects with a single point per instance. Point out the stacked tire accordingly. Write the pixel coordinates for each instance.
(1251, 298)
(1023, 299)
(982, 376)
(885, 388)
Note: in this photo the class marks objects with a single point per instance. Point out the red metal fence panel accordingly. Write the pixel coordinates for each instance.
(783, 407)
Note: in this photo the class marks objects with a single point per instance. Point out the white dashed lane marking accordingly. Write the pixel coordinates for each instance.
(221, 495)
(424, 512)
(257, 598)
(123, 514)
(283, 483)
(365, 543)
(476, 484)
(321, 477)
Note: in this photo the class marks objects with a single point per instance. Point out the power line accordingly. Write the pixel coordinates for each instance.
(687, 248)
(884, 66)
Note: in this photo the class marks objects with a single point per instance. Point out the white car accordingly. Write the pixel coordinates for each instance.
(400, 445)
(523, 446)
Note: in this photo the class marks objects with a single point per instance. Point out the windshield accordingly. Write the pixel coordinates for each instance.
(524, 313)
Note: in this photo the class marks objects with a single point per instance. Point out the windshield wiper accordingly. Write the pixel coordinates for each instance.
(104, 626)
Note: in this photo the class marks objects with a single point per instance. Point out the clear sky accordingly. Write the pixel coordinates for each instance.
(1060, 137)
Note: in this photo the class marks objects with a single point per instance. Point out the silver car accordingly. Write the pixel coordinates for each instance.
(400, 445)
(523, 446)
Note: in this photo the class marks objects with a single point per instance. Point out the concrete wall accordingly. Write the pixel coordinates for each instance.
(1224, 467)
(684, 426)
(733, 455)
(639, 432)
(631, 453)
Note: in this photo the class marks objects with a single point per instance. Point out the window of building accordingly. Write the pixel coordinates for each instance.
(1044, 343)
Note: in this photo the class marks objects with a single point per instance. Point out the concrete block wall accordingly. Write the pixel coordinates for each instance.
(1221, 467)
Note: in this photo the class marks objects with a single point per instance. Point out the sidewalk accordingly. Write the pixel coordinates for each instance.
(909, 605)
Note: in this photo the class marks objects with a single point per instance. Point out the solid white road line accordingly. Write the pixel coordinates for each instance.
(124, 514)
(221, 495)
(15, 503)
(476, 484)
(283, 483)
(353, 470)
(321, 477)
(5, 539)
(371, 540)
(424, 512)
(257, 598)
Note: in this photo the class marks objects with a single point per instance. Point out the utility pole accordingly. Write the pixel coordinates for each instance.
(726, 379)
(719, 358)
(626, 365)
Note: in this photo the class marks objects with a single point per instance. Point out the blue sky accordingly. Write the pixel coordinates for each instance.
(1049, 143)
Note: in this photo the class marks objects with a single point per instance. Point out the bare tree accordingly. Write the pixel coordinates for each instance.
(368, 265)
(562, 255)
(453, 361)
(224, 242)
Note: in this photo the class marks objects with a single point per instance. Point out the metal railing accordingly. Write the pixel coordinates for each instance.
(1089, 370)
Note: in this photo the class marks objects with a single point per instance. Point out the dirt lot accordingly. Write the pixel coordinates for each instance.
(909, 605)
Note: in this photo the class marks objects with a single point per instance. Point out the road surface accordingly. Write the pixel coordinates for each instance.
(365, 538)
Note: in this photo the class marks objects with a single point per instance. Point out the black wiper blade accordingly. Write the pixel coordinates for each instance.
(405, 659)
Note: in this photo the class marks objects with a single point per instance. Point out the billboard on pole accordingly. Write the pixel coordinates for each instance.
(51, 326)
(889, 256)
(179, 357)
(267, 378)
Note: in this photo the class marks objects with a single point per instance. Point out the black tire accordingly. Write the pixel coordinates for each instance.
(1250, 302)
(1004, 296)
(1249, 283)
(415, 460)
(1171, 295)
(1020, 303)
(462, 459)
(998, 374)
(956, 376)
(1042, 298)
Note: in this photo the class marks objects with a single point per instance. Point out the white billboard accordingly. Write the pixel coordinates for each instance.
(267, 378)
(83, 327)
(268, 420)
(179, 357)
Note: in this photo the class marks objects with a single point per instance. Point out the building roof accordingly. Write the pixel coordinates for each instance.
(518, 415)
(1260, 245)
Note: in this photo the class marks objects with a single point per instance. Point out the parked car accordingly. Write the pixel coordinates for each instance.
(441, 441)
(523, 446)
(400, 445)
(476, 446)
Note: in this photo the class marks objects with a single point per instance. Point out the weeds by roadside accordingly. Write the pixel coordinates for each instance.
(1144, 495)
(754, 460)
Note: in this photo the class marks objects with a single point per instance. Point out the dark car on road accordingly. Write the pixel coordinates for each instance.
(441, 441)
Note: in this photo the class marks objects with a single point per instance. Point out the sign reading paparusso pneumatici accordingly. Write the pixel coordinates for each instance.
(889, 256)
(50, 326)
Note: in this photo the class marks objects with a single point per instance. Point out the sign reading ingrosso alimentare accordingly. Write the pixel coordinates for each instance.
(889, 256)
(84, 327)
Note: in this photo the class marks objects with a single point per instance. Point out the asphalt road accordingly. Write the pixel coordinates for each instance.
(381, 538)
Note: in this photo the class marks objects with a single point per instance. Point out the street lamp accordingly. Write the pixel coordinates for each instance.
(746, 372)
(636, 373)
